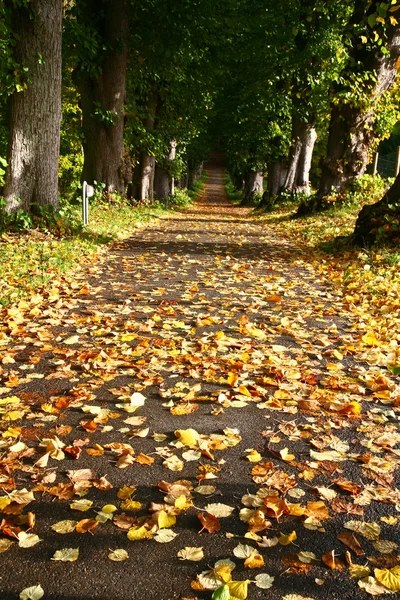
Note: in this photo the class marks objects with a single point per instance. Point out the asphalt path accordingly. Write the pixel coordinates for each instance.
(192, 300)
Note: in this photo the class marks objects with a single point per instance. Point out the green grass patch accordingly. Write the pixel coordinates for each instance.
(34, 258)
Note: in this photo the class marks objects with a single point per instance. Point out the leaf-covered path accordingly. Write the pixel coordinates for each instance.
(203, 367)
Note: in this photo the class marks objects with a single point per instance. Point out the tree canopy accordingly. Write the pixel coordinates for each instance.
(149, 89)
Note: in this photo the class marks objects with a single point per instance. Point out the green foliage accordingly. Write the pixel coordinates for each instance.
(3, 166)
(233, 194)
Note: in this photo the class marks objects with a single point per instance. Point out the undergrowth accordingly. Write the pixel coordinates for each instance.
(326, 238)
(233, 194)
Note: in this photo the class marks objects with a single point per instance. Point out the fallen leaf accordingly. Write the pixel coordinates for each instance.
(66, 555)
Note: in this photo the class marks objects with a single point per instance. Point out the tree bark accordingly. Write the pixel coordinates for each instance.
(253, 184)
(35, 117)
(351, 125)
(383, 215)
(148, 162)
(300, 157)
(305, 160)
(277, 174)
(103, 100)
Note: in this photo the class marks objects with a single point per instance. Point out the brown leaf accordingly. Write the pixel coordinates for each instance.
(209, 522)
(86, 526)
(350, 540)
(332, 562)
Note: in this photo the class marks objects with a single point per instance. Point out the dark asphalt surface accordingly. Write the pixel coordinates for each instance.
(140, 308)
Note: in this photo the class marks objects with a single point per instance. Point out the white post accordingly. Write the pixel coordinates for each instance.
(87, 192)
(375, 167)
(397, 166)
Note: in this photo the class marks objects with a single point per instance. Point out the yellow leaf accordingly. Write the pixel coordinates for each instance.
(12, 432)
(243, 390)
(285, 540)
(353, 408)
(238, 589)
(165, 520)
(4, 502)
(130, 505)
(188, 437)
(370, 339)
(285, 455)
(389, 578)
(224, 573)
(393, 21)
(254, 561)
(9, 400)
(232, 378)
(126, 492)
(138, 533)
(183, 503)
(254, 456)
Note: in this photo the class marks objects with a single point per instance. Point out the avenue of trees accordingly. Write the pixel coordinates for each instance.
(134, 96)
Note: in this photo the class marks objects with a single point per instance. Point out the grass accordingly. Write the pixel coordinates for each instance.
(233, 194)
(35, 258)
(366, 280)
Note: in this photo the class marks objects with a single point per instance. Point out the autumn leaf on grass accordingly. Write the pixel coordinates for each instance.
(209, 522)
(66, 555)
(191, 553)
(353, 408)
(35, 592)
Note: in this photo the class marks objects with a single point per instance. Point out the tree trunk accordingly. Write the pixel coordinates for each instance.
(299, 129)
(147, 173)
(103, 99)
(351, 126)
(305, 160)
(162, 183)
(34, 130)
(300, 156)
(277, 175)
(148, 162)
(383, 215)
(253, 184)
